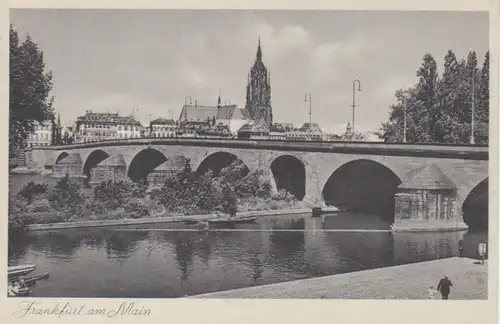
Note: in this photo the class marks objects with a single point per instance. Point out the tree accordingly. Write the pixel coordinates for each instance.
(29, 88)
(438, 109)
(483, 102)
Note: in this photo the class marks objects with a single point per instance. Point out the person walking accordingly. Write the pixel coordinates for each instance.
(431, 292)
(444, 286)
(461, 247)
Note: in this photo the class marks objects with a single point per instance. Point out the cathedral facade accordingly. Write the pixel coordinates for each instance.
(258, 96)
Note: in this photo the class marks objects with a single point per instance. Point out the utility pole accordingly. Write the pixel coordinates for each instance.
(354, 100)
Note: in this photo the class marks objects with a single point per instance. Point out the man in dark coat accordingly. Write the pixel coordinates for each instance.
(444, 287)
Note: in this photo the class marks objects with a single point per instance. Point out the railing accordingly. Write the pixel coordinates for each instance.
(212, 138)
(461, 151)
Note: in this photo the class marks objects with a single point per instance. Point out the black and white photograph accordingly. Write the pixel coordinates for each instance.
(248, 154)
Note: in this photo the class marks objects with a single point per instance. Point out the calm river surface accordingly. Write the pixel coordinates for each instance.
(173, 260)
(170, 261)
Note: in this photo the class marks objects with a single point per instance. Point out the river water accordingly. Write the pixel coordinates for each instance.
(174, 260)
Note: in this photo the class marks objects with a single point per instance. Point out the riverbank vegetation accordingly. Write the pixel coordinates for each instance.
(184, 192)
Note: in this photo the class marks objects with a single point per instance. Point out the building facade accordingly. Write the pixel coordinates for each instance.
(42, 134)
(162, 127)
(194, 119)
(258, 95)
(95, 127)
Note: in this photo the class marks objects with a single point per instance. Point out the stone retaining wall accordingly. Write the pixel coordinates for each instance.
(160, 219)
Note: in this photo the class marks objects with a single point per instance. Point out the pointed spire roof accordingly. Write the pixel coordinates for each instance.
(429, 177)
(259, 52)
(172, 164)
(73, 158)
(114, 161)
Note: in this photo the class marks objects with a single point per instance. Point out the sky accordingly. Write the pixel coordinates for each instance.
(146, 62)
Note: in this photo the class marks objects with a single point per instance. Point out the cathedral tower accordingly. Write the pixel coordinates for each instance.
(258, 100)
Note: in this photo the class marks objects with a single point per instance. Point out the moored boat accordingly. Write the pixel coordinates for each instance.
(17, 291)
(21, 270)
(232, 220)
(32, 280)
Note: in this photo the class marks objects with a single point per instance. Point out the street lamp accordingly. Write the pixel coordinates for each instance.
(473, 107)
(190, 100)
(404, 121)
(310, 106)
(354, 99)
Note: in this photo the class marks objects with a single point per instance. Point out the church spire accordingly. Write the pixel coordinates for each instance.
(259, 51)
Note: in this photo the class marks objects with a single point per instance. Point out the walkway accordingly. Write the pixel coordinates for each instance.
(410, 281)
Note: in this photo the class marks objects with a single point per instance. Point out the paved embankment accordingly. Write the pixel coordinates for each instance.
(411, 281)
(158, 219)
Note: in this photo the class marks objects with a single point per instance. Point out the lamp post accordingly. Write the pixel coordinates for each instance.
(405, 112)
(308, 95)
(404, 124)
(190, 100)
(354, 100)
(472, 107)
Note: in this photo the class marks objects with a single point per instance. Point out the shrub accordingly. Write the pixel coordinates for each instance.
(39, 205)
(110, 195)
(31, 190)
(44, 217)
(17, 205)
(283, 195)
(66, 196)
(136, 208)
(16, 224)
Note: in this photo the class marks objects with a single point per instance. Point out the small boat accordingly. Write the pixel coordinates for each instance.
(232, 220)
(22, 270)
(331, 209)
(18, 292)
(32, 280)
(191, 221)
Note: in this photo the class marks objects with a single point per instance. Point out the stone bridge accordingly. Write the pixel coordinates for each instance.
(321, 173)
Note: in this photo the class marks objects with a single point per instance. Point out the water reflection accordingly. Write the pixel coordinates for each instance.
(121, 245)
(169, 263)
(425, 246)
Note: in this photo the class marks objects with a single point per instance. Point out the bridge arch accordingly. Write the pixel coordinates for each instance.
(364, 186)
(143, 163)
(289, 173)
(218, 161)
(475, 207)
(92, 160)
(61, 156)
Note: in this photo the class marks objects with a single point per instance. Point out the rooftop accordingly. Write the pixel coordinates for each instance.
(111, 118)
(73, 158)
(429, 177)
(163, 121)
(113, 161)
(172, 164)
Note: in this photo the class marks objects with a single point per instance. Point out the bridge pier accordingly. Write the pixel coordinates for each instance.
(427, 201)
